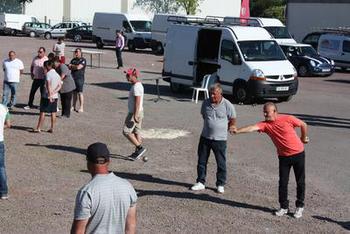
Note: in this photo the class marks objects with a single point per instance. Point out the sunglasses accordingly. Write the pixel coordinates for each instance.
(40, 52)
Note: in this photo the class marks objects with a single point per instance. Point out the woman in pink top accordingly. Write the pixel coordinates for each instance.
(290, 150)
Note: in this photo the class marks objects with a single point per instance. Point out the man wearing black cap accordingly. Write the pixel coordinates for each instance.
(107, 204)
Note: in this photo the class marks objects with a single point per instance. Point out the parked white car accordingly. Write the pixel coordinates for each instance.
(60, 29)
(12, 24)
(247, 60)
(136, 28)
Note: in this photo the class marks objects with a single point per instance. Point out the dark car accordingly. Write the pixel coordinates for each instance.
(80, 33)
(307, 61)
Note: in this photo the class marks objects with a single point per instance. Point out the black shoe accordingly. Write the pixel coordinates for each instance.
(138, 153)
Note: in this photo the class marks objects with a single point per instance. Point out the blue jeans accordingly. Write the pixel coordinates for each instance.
(219, 149)
(3, 177)
(9, 88)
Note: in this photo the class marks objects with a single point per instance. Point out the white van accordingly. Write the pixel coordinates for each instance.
(247, 60)
(274, 26)
(336, 47)
(136, 28)
(160, 25)
(12, 23)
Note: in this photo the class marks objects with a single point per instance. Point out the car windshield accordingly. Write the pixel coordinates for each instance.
(261, 50)
(278, 32)
(307, 51)
(141, 25)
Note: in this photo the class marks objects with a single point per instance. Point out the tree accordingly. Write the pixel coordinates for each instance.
(159, 6)
(190, 6)
(268, 8)
(25, 1)
(10, 6)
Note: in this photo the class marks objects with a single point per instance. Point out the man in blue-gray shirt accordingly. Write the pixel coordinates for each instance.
(219, 117)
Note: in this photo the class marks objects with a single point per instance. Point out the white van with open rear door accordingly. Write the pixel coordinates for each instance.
(136, 28)
(248, 62)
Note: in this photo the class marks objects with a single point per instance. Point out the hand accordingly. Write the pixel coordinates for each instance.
(32, 76)
(232, 130)
(305, 140)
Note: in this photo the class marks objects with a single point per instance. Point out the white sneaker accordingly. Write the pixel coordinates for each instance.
(26, 107)
(198, 186)
(281, 212)
(220, 189)
(298, 212)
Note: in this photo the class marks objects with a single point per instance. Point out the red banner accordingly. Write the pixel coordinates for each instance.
(245, 12)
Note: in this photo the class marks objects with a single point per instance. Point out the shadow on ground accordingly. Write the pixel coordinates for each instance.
(71, 149)
(324, 121)
(345, 225)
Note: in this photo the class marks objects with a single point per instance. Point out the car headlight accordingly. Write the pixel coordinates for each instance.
(332, 62)
(257, 74)
(312, 63)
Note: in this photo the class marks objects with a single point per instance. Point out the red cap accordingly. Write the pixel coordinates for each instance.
(132, 71)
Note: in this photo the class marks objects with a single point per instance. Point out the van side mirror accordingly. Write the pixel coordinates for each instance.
(236, 60)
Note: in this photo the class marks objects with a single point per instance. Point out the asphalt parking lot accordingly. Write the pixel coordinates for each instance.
(46, 170)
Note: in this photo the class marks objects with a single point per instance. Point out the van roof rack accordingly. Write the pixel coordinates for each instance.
(339, 30)
(241, 21)
(194, 20)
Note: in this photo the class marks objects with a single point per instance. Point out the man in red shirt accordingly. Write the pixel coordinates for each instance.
(290, 150)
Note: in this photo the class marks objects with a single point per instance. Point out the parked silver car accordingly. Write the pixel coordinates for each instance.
(59, 30)
(34, 29)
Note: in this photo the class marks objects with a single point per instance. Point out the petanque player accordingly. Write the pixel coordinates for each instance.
(219, 117)
(107, 204)
(13, 68)
(5, 123)
(133, 121)
(48, 102)
(290, 149)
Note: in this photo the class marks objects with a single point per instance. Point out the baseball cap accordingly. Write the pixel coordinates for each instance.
(97, 153)
(132, 71)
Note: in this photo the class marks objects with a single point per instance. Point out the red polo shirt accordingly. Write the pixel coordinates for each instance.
(283, 135)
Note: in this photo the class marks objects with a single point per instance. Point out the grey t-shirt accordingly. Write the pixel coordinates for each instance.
(68, 82)
(216, 118)
(105, 200)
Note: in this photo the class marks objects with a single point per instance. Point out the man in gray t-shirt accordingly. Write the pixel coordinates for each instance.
(219, 116)
(107, 204)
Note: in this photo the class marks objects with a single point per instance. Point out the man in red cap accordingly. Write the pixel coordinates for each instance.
(134, 118)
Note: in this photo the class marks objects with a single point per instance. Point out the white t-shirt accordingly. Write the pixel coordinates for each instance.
(54, 79)
(4, 114)
(12, 69)
(136, 90)
(59, 49)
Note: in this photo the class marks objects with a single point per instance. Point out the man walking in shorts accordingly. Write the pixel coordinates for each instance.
(290, 150)
(134, 118)
(107, 204)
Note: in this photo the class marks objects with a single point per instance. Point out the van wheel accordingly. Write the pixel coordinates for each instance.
(158, 49)
(77, 38)
(302, 71)
(175, 88)
(99, 44)
(240, 93)
(131, 46)
(285, 99)
(32, 34)
(47, 36)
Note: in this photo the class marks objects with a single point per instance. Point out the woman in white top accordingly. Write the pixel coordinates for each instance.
(58, 49)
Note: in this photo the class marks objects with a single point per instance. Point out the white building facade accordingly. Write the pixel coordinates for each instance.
(55, 11)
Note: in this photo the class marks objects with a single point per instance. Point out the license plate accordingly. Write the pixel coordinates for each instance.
(282, 88)
(326, 70)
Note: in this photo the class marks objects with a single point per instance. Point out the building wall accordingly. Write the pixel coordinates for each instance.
(303, 18)
(83, 10)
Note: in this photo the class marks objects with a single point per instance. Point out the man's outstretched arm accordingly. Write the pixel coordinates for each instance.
(246, 129)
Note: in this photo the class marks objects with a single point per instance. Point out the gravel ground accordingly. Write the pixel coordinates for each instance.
(46, 170)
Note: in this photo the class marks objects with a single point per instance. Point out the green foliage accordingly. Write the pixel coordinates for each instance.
(190, 6)
(10, 6)
(25, 1)
(268, 8)
(159, 6)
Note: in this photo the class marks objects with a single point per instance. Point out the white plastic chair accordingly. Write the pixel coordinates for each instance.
(203, 88)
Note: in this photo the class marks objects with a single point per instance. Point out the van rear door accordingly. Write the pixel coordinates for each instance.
(345, 55)
(180, 54)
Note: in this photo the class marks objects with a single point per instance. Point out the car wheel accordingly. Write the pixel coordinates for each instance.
(32, 34)
(302, 71)
(99, 44)
(131, 46)
(77, 38)
(285, 99)
(13, 32)
(175, 88)
(47, 36)
(240, 92)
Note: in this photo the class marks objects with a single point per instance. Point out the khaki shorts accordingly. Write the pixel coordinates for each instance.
(130, 126)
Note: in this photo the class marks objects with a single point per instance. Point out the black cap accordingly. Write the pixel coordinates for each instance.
(97, 153)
